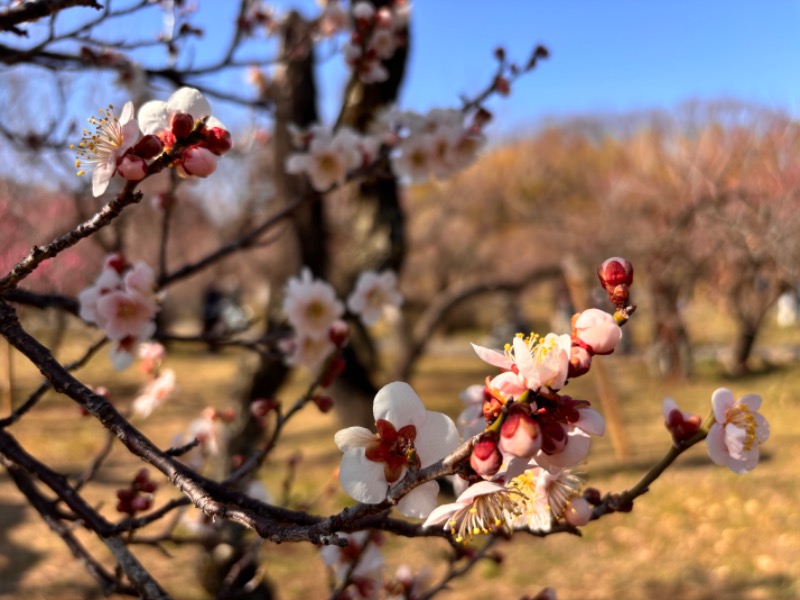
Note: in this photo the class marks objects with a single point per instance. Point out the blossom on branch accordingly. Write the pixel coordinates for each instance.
(123, 303)
(409, 437)
(105, 148)
(185, 118)
(734, 439)
(372, 294)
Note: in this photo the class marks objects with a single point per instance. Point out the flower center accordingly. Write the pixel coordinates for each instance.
(742, 418)
(97, 146)
(392, 447)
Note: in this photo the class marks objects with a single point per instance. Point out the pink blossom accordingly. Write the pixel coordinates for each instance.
(372, 462)
(471, 420)
(366, 574)
(734, 439)
(127, 315)
(598, 330)
(329, 159)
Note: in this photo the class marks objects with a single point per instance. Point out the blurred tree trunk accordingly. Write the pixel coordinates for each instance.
(376, 239)
(295, 104)
(672, 354)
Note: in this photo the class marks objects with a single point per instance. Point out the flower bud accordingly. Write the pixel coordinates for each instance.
(597, 330)
(324, 403)
(181, 125)
(486, 457)
(578, 511)
(132, 167)
(616, 276)
(261, 407)
(148, 147)
(198, 161)
(520, 435)
(218, 140)
(141, 503)
(339, 333)
(681, 425)
(502, 86)
(580, 361)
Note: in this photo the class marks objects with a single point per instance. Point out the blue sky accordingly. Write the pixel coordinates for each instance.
(607, 56)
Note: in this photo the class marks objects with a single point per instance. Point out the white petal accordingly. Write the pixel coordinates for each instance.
(715, 444)
(493, 357)
(437, 438)
(101, 176)
(591, 421)
(752, 401)
(419, 502)
(362, 479)
(127, 113)
(762, 428)
(577, 448)
(441, 513)
(721, 401)
(190, 101)
(482, 488)
(153, 117)
(399, 404)
(353, 437)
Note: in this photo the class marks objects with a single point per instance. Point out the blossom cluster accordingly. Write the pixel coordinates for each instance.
(375, 36)
(527, 437)
(436, 144)
(123, 303)
(315, 313)
(126, 146)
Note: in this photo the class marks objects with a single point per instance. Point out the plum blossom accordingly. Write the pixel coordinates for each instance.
(361, 561)
(307, 351)
(734, 439)
(545, 498)
(176, 119)
(480, 509)
(311, 305)
(408, 436)
(471, 420)
(681, 425)
(373, 293)
(123, 303)
(330, 157)
(530, 363)
(104, 147)
(155, 393)
(597, 330)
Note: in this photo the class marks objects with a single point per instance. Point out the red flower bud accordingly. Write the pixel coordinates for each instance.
(148, 147)
(324, 403)
(181, 125)
(218, 140)
(615, 271)
(486, 457)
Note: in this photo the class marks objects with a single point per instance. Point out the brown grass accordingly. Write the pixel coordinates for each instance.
(701, 533)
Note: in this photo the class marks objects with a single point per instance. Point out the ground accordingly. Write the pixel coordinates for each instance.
(701, 532)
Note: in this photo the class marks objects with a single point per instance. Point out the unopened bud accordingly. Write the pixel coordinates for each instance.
(198, 161)
(580, 361)
(486, 457)
(615, 271)
(181, 125)
(520, 435)
(578, 511)
(132, 167)
(324, 403)
(333, 369)
(339, 332)
(261, 407)
(218, 140)
(148, 147)
(502, 86)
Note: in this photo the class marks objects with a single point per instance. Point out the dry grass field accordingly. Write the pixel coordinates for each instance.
(701, 533)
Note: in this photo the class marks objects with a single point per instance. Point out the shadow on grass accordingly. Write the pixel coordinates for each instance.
(699, 586)
(16, 559)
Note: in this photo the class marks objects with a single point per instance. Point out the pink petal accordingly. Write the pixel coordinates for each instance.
(493, 357)
(752, 401)
(591, 421)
